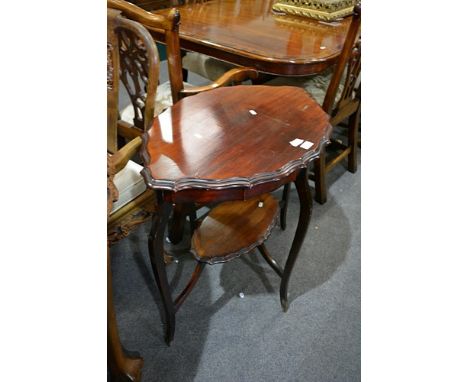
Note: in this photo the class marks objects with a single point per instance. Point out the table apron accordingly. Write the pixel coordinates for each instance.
(271, 66)
(205, 196)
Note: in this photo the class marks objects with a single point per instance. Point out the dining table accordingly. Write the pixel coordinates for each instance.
(249, 33)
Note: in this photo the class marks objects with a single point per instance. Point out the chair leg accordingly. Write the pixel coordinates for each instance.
(184, 75)
(123, 367)
(353, 140)
(183, 53)
(319, 176)
(284, 205)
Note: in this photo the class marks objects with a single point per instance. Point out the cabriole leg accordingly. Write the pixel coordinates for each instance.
(156, 250)
(319, 175)
(284, 205)
(305, 198)
(122, 367)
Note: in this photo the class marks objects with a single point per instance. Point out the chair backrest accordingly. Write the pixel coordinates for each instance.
(169, 25)
(138, 65)
(349, 60)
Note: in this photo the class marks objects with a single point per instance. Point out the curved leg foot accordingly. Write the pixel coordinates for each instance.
(156, 250)
(123, 367)
(128, 371)
(284, 205)
(305, 199)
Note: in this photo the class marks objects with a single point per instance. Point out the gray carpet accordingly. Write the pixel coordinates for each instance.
(222, 337)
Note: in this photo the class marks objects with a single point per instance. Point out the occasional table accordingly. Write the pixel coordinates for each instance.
(231, 144)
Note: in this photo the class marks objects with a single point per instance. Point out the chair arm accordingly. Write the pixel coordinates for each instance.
(127, 130)
(121, 157)
(236, 75)
(148, 19)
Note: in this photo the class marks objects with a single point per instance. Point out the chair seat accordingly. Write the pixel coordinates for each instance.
(315, 85)
(163, 101)
(205, 66)
(129, 183)
(232, 229)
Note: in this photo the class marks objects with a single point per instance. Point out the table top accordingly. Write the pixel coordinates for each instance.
(233, 137)
(249, 33)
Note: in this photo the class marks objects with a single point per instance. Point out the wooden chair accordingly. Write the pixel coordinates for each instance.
(145, 103)
(141, 86)
(135, 204)
(129, 204)
(122, 366)
(201, 64)
(338, 91)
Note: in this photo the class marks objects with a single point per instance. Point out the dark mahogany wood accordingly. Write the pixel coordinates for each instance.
(201, 143)
(230, 144)
(270, 260)
(156, 250)
(167, 26)
(249, 33)
(234, 228)
(305, 198)
(284, 205)
(193, 280)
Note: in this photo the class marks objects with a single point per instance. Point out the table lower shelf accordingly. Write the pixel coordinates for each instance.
(232, 229)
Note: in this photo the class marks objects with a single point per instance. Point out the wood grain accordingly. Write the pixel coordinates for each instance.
(234, 228)
(249, 33)
(213, 141)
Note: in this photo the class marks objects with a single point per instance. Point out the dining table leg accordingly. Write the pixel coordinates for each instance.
(156, 249)
(305, 199)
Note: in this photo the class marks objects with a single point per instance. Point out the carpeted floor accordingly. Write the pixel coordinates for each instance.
(222, 337)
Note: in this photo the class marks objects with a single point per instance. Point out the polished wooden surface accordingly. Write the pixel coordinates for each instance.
(139, 55)
(231, 144)
(249, 33)
(234, 228)
(233, 137)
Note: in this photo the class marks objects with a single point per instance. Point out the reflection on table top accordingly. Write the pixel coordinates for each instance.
(233, 137)
(249, 32)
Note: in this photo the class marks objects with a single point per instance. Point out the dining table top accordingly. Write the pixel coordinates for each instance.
(250, 33)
